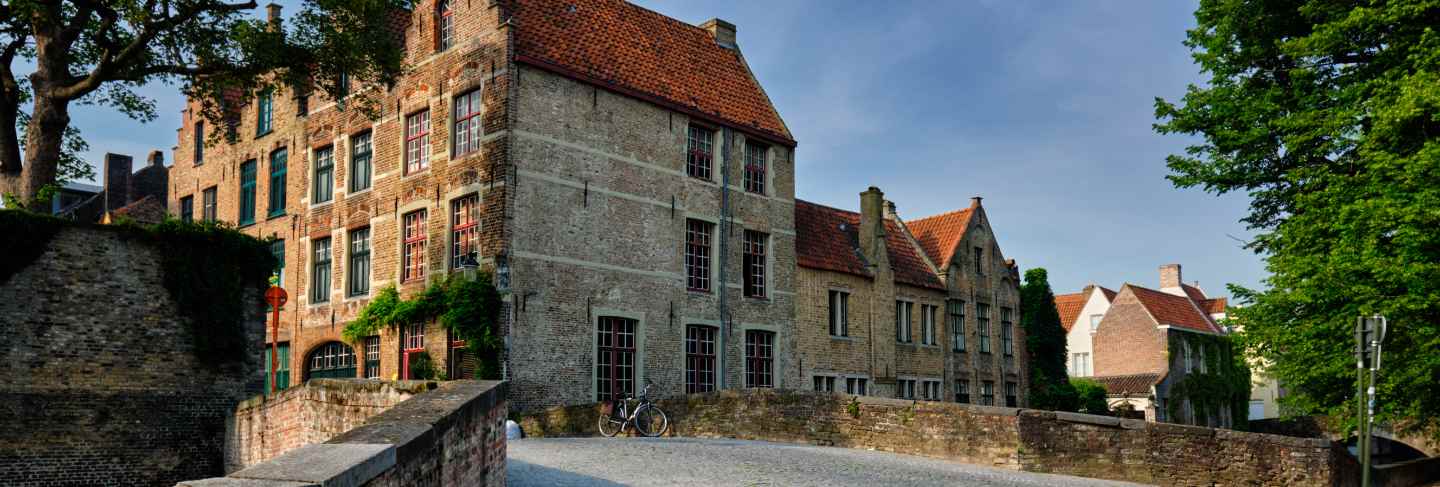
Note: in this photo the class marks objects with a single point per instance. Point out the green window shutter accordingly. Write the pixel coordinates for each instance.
(247, 193)
(278, 161)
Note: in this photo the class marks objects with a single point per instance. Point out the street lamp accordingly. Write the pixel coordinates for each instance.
(1369, 333)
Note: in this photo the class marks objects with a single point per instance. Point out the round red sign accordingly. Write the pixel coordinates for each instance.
(276, 296)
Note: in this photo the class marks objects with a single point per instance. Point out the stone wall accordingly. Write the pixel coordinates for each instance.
(266, 427)
(1039, 441)
(101, 383)
(452, 435)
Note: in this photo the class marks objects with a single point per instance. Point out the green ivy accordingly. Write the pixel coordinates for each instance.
(1091, 396)
(469, 308)
(1225, 382)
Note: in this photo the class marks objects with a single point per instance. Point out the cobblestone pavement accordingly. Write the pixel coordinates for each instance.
(697, 461)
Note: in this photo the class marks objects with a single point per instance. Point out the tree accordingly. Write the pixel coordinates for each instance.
(1090, 397)
(98, 52)
(1045, 342)
(1327, 114)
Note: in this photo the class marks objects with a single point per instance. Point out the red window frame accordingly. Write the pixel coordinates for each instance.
(759, 358)
(417, 141)
(464, 228)
(614, 358)
(699, 143)
(412, 340)
(754, 263)
(699, 358)
(755, 165)
(698, 235)
(467, 129)
(415, 239)
(444, 25)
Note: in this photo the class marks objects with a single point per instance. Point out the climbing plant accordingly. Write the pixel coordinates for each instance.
(469, 308)
(1225, 382)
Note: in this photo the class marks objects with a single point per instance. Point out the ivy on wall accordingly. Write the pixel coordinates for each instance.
(469, 308)
(1224, 384)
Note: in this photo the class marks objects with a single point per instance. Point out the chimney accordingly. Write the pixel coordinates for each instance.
(890, 213)
(117, 180)
(975, 201)
(722, 31)
(872, 223)
(1170, 276)
(156, 158)
(272, 15)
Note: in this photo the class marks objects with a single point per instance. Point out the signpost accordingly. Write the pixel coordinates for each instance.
(276, 297)
(1369, 333)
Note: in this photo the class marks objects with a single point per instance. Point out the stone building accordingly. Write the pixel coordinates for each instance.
(924, 309)
(635, 203)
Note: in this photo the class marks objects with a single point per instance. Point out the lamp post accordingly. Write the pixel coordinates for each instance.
(1369, 333)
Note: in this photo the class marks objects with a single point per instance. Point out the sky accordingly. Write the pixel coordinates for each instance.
(1044, 108)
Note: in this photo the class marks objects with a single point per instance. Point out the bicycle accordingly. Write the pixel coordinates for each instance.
(649, 419)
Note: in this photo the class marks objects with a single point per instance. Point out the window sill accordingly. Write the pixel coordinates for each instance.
(417, 173)
(351, 193)
(357, 297)
(932, 347)
(239, 225)
(262, 134)
(322, 203)
(692, 290)
(274, 215)
(842, 338)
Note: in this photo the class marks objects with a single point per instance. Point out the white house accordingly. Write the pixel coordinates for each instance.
(1080, 314)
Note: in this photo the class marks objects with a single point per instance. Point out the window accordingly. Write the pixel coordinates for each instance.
(902, 321)
(979, 259)
(332, 360)
(987, 393)
(444, 25)
(839, 313)
(697, 152)
(417, 142)
(754, 263)
(615, 358)
(415, 236)
(856, 385)
(927, 325)
(825, 383)
(187, 209)
(262, 113)
(1187, 414)
(199, 142)
(962, 391)
(1080, 364)
(1189, 361)
(372, 357)
(1012, 395)
(932, 390)
(982, 322)
(344, 84)
(247, 192)
(1095, 322)
(466, 136)
(1202, 358)
(324, 175)
(358, 275)
(699, 358)
(277, 248)
(278, 161)
(412, 342)
(956, 310)
(697, 254)
(360, 156)
(302, 102)
(755, 167)
(320, 271)
(759, 358)
(1007, 333)
(208, 199)
(464, 230)
(905, 388)
(281, 363)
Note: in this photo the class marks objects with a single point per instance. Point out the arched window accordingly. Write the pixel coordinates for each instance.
(444, 25)
(332, 360)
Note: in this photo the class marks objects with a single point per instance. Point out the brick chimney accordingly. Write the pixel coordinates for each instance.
(272, 15)
(1170, 276)
(975, 201)
(117, 180)
(872, 222)
(156, 158)
(722, 31)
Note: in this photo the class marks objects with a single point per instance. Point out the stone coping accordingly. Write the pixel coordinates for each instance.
(348, 385)
(393, 437)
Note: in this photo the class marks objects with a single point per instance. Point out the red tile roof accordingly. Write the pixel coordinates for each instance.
(148, 210)
(1194, 292)
(1127, 385)
(1169, 309)
(641, 53)
(1109, 293)
(829, 238)
(1214, 306)
(939, 234)
(1069, 306)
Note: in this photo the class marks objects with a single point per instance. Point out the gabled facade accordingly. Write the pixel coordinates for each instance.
(635, 204)
(921, 309)
(1080, 315)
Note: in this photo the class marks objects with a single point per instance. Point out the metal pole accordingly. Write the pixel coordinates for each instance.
(274, 345)
(1360, 433)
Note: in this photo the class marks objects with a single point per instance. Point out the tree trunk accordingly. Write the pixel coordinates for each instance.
(10, 168)
(43, 140)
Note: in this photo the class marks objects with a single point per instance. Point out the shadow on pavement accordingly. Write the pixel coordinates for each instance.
(520, 473)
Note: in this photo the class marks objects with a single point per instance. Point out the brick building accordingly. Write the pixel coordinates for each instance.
(924, 309)
(634, 202)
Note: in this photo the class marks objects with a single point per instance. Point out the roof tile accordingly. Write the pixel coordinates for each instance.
(829, 238)
(939, 234)
(1069, 306)
(1169, 309)
(1127, 385)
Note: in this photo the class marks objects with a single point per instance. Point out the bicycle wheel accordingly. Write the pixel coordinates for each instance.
(609, 426)
(651, 421)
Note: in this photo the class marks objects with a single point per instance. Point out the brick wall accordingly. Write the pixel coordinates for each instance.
(1128, 341)
(1038, 441)
(266, 427)
(112, 393)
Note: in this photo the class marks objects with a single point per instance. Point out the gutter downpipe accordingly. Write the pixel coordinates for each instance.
(723, 293)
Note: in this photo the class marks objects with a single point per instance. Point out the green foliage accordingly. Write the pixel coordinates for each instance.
(1045, 344)
(853, 408)
(1325, 113)
(421, 367)
(1090, 397)
(1224, 384)
(470, 309)
(25, 237)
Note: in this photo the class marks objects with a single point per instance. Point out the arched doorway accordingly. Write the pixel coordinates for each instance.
(333, 360)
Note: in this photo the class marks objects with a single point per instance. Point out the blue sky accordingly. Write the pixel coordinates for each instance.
(1044, 108)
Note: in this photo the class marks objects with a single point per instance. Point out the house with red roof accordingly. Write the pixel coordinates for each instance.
(1080, 315)
(923, 309)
